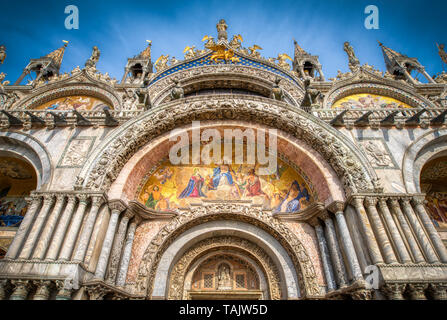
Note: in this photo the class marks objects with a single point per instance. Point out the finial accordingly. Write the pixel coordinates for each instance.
(65, 43)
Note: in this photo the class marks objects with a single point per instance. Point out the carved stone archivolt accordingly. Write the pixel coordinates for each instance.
(254, 77)
(307, 278)
(103, 166)
(249, 249)
(370, 83)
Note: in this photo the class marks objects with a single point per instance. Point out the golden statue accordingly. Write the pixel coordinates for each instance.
(236, 41)
(253, 51)
(189, 52)
(282, 61)
(221, 30)
(161, 63)
(222, 53)
(210, 41)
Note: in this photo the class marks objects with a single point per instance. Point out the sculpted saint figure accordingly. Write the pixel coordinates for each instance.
(353, 61)
(2, 54)
(224, 279)
(442, 52)
(222, 30)
(91, 63)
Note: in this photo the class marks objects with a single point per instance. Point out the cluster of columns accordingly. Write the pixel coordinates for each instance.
(397, 229)
(59, 227)
(335, 267)
(393, 230)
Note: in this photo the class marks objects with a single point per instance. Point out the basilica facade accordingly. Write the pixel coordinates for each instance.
(94, 207)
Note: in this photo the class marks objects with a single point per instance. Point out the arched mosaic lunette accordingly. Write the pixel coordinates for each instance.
(104, 165)
(405, 96)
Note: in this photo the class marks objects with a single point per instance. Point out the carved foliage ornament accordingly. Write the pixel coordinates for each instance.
(306, 273)
(347, 163)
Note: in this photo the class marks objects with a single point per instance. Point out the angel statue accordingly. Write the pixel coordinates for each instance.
(282, 61)
(442, 53)
(2, 54)
(173, 61)
(189, 52)
(236, 41)
(209, 41)
(162, 62)
(253, 51)
(221, 30)
(94, 58)
(353, 61)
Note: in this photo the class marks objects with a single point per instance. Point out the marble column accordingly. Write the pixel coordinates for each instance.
(43, 290)
(34, 204)
(337, 208)
(125, 259)
(47, 232)
(118, 246)
(382, 237)
(72, 235)
(394, 232)
(370, 239)
(431, 230)
(61, 229)
(37, 227)
(334, 250)
(417, 255)
(21, 289)
(87, 230)
(117, 207)
(419, 231)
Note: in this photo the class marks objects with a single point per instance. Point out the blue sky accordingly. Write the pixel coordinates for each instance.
(31, 29)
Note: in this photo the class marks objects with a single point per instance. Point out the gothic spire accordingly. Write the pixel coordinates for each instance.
(298, 50)
(58, 55)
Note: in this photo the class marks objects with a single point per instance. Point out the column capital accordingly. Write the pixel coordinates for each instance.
(71, 198)
(416, 290)
(314, 222)
(438, 290)
(128, 214)
(417, 200)
(43, 290)
(97, 201)
(83, 197)
(394, 202)
(324, 215)
(394, 291)
(382, 201)
(50, 198)
(117, 205)
(405, 200)
(357, 200)
(60, 197)
(371, 201)
(137, 219)
(336, 206)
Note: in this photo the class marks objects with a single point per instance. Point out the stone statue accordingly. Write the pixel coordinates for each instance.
(143, 98)
(277, 93)
(173, 61)
(129, 99)
(189, 52)
(254, 51)
(177, 92)
(442, 52)
(2, 54)
(94, 58)
(312, 97)
(223, 277)
(222, 30)
(354, 63)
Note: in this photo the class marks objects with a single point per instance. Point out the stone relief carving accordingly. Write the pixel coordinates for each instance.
(377, 153)
(76, 152)
(306, 273)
